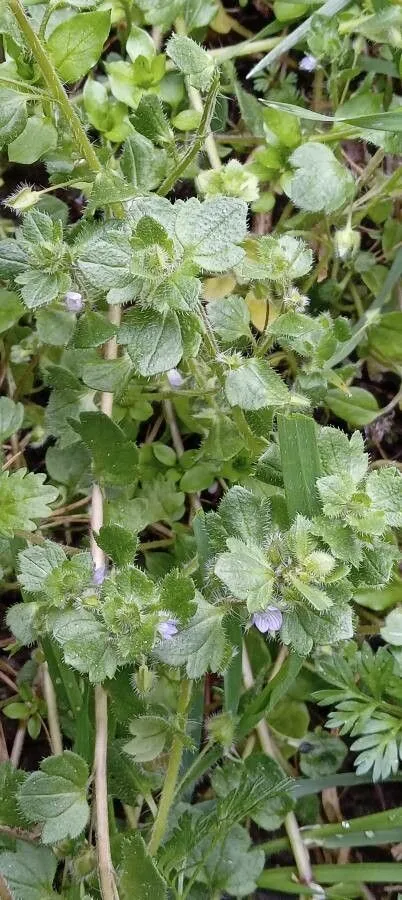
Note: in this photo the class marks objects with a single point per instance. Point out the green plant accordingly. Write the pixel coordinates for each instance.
(155, 349)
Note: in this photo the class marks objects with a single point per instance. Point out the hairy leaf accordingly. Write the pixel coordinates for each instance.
(200, 646)
(255, 385)
(56, 797)
(138, 872)
(29, 872)
(24, 498)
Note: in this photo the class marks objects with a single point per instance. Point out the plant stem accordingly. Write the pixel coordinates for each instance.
(244, 48)
(329, 9)
(299, 849)
(105, 866)
(4, 757)
(202, 137)
(18, 744)
(187, 776)
(178, 446)
(210, 146)
(55, 87)
(196, 101)
(173, 769)
(262, 729)
(52, 712)
(46, 17)
(372, 165)
(21, 87)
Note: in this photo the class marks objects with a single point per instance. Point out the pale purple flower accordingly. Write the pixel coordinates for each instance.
(167, 629)
(73, 301)
(99, 575)
(174, 378)
(308, 63)
(270, 619)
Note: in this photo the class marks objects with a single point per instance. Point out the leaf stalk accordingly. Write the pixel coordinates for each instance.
(173, 769)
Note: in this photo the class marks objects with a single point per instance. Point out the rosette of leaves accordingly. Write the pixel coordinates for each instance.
(265, 567)
(38, 261)
(311, 570)
(269, 258)
(98, 626)
(141, 73)
(232, 180)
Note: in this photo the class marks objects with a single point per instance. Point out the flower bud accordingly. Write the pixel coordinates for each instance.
(23, 199)
(296, 301)
(21, 353)
(38, 435)
(319, 564)
(221, 729)
(347, 242)
(90, 600)
(144, 680)
(232, 180)
(85, 863)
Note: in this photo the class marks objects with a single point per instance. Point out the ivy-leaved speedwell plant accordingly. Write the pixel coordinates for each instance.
(192, 544)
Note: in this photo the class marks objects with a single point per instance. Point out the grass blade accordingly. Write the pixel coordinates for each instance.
(329, 9)
(378, 828)
(383, 121)
(300, 464)
(304, 787)
(233, 680)
(283, 879)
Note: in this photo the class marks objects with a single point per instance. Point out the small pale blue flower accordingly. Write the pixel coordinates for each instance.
(73, 301)
(174, 378)
(99, 575)
(308, 63)
(270, 619)
(167, 629)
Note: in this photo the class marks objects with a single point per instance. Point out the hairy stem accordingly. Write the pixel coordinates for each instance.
(375, 161)
(52, 712)
(178, 445)
(105, 866)
(3, 746)
(209, 142)
(202, 137)
(196, 101)
(55, 87)
(46, 17)
(299, 849)
(173, 769)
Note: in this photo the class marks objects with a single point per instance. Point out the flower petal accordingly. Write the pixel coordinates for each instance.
(269, 619)
(167, 629)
